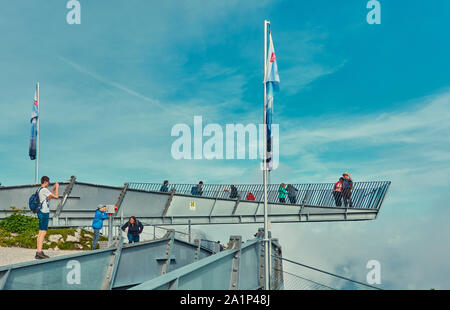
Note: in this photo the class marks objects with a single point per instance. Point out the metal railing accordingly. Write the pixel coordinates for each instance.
(364, 195)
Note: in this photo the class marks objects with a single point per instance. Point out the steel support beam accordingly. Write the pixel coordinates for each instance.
(121, 197)
(62, 202)
(169, 200)
(112, 267)
(235, 244)
(171, 236)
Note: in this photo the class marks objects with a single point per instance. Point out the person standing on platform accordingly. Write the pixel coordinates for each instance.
(337, 192)
(282, 192)
(44, 213)
(197, 190)
(133, 228)
(97, 224)
(292, 193)
(250, 196)
(165, 187)
(347, 186)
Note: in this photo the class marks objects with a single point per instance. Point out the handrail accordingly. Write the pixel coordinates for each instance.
(364, 195)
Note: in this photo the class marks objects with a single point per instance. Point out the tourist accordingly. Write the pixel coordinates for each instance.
(282, 192)
(337, 192)
(133, 228)
(197, 190)
(250, 196)
(165, 187)
(347, 186)
(97, 224)
(292, 193)
(44, 213)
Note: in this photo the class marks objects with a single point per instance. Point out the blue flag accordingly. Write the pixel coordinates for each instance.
(34, 118)
(272, 80)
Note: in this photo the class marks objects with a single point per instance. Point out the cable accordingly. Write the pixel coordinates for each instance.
(328, 273)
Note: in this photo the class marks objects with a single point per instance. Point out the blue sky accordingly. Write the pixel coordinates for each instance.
(371, 99)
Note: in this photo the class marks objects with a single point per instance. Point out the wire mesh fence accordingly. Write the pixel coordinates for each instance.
(297, 276)
(363, 195)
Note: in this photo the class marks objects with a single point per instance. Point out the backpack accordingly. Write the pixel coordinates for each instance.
(347, 184)
(194, 190)
(34, 202)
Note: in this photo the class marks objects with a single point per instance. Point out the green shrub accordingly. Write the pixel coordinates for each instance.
(18, 223)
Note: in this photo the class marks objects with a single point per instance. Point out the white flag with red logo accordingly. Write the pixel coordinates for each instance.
(273, 85)
(272, 68)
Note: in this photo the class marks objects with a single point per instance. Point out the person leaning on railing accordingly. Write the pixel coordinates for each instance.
(97, 223)
(165, 187)
(337, 192)
(133, 228)
(282, 192)
(347, 186)
(197, 190)
(292, 193)
(250, 196)
(233, 192)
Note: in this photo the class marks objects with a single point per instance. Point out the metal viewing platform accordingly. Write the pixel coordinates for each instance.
(313, 203)
(167, 263)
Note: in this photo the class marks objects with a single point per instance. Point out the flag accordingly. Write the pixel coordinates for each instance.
(34, 118)
(272, 81)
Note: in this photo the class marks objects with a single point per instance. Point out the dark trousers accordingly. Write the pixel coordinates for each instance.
(283, 200)
(293, 199)
(347, 194)
(96, 238)
(337, 198)
(133, 238)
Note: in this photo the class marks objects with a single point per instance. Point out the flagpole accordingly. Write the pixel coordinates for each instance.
(37, 140)
(266, 226)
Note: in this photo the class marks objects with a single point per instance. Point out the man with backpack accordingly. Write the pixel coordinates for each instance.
(43, 212)
(197, 190)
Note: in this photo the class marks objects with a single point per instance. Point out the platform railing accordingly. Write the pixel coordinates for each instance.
(364, 195)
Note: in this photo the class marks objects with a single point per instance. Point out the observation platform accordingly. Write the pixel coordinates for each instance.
(313, 203)
(166, 263)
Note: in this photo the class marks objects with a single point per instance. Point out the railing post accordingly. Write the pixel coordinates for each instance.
(189, 230)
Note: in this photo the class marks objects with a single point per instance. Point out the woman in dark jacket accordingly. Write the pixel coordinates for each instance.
(292, 193)
(133, 228)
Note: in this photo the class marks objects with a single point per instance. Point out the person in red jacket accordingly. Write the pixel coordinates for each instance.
(250, 196)
(337, 192)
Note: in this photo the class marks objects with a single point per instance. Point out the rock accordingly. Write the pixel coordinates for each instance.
(55, 238)
(14, 235)
(87, 236)
(72, 238)
(79, 246)
(56, 248)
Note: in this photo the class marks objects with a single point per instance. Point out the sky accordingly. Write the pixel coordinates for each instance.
(371, 99)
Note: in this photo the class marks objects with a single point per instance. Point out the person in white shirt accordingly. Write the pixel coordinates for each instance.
(44, 213)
